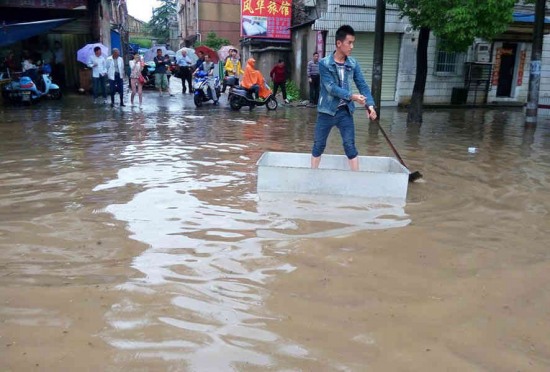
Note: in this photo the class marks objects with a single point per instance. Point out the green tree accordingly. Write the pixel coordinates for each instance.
(159, 25)
(456, 23)
(214, 42)
(143, 42)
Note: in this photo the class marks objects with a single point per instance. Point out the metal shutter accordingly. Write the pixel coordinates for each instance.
(363, 53)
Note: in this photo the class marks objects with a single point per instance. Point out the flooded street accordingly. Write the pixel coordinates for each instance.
(133, 239)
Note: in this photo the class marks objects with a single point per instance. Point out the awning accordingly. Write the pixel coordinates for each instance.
(527, 18)
(15, 32)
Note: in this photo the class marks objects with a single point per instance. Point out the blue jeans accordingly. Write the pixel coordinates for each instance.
(255, 90)
(98, 85)
(344, 122)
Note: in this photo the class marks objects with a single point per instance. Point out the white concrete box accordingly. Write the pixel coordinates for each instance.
(378, 177)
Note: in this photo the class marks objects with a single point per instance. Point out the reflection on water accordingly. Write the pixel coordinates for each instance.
(213, 244)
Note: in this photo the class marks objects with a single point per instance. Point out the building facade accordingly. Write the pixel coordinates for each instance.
(490, 71)
(88, 21)
(196, 19)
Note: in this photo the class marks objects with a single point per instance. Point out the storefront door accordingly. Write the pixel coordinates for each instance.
(507, 68)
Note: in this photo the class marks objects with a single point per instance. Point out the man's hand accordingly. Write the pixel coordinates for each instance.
(310, 80)
(372, 113)
(359, 98)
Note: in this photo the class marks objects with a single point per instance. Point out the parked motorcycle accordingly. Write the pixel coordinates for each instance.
(202, 92)
(239, 97)
(24, 90)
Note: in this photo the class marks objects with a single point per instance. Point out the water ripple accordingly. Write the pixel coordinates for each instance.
(212, 242)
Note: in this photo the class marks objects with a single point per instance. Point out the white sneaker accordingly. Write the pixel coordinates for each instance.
(287, 101)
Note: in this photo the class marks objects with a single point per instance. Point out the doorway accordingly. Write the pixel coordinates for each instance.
(507, 68)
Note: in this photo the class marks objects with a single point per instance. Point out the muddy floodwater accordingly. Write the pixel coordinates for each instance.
(133, 239)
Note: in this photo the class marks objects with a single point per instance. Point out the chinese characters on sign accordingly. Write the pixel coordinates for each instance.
(521, 68)
(496, 66)
(266, 18)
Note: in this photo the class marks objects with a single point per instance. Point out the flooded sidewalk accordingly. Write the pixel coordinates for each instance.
(134, 239)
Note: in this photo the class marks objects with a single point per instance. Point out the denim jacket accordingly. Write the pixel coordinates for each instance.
(331, 92)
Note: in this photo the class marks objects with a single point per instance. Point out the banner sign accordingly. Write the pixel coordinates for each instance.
(266, 18)
(48, 4)
(521, 68)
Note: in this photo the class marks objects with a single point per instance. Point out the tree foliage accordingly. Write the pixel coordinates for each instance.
(458, 22)
(299, 13)
(213, 41)
(143, 42)
(159, 25)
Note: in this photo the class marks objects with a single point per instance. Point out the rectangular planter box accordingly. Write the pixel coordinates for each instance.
(378, 177)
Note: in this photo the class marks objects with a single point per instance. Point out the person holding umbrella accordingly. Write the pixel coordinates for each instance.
(98, 64)
(185, 63)
(232, 68)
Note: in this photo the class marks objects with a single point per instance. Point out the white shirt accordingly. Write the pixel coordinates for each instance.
(98, 65)
(184, 61)
(28, 65)
(111, 68)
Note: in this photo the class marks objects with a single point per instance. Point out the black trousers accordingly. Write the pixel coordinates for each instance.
(314, 87)
(58, 73)
(283, 88)
(116, 86)
(186, 76)
(224, 83)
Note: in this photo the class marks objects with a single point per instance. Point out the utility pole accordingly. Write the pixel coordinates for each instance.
(536, 57)
(378, 54)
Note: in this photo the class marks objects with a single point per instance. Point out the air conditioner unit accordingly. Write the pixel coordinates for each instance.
(482, 52)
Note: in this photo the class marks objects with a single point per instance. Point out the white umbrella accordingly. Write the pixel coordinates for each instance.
(223, 52)
(83, 55)
(190, 53)
(152, 52)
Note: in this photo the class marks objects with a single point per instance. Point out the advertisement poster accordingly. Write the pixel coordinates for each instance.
(521, 68)
(266, 18)
(320, 44)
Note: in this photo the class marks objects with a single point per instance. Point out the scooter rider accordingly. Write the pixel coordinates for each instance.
(254, 81)
(29, 67)
(208, 67)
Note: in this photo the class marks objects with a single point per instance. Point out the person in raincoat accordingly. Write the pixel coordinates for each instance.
(232, 68)
(254, 81)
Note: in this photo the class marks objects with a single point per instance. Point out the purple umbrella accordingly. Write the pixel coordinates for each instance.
(83, 55)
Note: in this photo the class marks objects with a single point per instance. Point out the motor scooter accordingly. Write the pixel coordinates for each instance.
(202, 92)
(148, 73)
(239, 96)
(24, 90)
